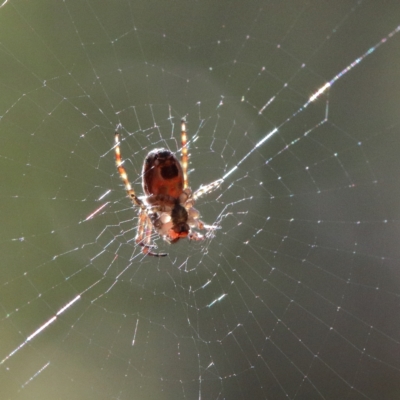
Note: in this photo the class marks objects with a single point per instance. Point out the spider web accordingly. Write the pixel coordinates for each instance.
(294, 105)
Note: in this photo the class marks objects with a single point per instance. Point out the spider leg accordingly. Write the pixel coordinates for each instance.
(143, 236)
(196, 236)
(202, 190)
(124, 176)
(185, 162)
(144, 230)
(140, 237)
(185, 157)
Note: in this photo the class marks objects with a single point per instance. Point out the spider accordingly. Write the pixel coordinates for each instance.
(168, 204)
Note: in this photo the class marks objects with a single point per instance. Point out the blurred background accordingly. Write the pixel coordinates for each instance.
(296, 295)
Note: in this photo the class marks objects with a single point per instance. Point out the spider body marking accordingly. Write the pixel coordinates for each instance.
(167, 206)
(162, 174)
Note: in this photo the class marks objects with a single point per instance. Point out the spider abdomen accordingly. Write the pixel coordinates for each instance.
(162, 174)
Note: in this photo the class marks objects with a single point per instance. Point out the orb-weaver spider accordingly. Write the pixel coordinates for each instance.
(168, 204)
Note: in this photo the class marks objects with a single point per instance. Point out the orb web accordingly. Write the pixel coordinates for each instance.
(293, 108)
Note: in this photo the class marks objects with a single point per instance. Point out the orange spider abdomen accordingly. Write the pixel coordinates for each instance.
(162, 174)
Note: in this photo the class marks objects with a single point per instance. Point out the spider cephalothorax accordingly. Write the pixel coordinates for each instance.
(167, 206)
